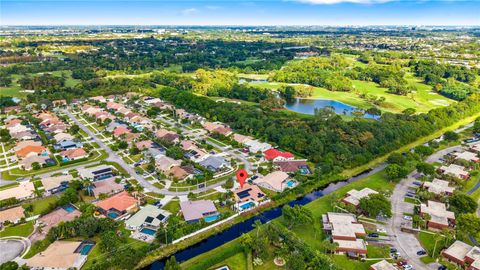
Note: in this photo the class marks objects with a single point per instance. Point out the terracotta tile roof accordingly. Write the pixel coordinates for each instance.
(74, 153)
(121, 202)
(30, 149)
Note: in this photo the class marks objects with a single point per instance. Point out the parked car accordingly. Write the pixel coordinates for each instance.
(408, 267)
(409, 195)
(373, 235)
(393, 250)
(442, 267)
(408, 218)
(417, 183)
(402, 263)
(381, 230)
(421, 252)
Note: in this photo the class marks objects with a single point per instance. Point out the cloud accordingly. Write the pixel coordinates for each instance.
(331, 2)
(189, 11)
(213, 7)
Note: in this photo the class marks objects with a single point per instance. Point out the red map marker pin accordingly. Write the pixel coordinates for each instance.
(241, 177)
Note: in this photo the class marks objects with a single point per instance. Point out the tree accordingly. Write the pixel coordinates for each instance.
(396, 158)
(4, 135)
(376, 204)
(295, 262)
(425, 168)
(297, 215)
(322, 262)
(476, 126)
(451, 136)
(175, 152)
(461, 204)
(172, 264)
(122, 145)
(468, 224)
(36, 166)
(423, 150)
(134, 151)
(74, 129)
(409, 111)
(396, 172)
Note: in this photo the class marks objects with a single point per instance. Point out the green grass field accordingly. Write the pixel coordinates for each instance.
(23, 230)
(421, 100)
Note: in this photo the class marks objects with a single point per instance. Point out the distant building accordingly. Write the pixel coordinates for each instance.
(21, 192)
(292, 166)
(277, 155)
(59, 255)
(382, 265)
(118, 205)
(13, 215)
(468, 156)
(214, 163)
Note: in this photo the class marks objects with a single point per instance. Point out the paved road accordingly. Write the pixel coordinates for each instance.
(406, 243)
(12, 247)
(114, 157)
(435, 157)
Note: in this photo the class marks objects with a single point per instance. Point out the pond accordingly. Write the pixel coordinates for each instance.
(254, 81)
(243, 227)
(307, 106)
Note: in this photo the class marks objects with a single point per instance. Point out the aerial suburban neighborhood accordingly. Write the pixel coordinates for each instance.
(263, 142)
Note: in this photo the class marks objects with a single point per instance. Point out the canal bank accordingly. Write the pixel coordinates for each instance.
(230, 231)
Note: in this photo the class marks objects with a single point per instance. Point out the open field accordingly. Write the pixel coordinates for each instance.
(422, 100)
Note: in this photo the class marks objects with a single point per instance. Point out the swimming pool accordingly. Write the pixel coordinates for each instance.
(211, 218)
(86, 249)
(69, 208)
(113, 215)
(148, 231)
(290, 183)
(247, 205)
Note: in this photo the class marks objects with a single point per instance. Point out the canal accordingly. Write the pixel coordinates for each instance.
(243, 227)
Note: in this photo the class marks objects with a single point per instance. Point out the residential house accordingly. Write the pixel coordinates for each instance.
(345, 231)
(23, 144)
(54, 184)
(167, 135)
(96, 173)
(277, 181)
(113, 125)
(255, 146)
(273, 154)
(292, 166)
(149, 216)
(107, 186)
(32, 150)
(73, 154)
(193, 151)
(241, 138)
(475, 147)
(156, 152)
(12, 215)
(440, 217)
(193, 211)
(62, 137)
(144, 144)
(99, 99)
(354, 196)
(118, 205)
(25, 190)
(248, 196)
(455, 171)
(164, 163)
(27, 163)
(59, 255)
(467, 155)
(217, 127)
(214, 163)
(464, 255)
(46, 222)
(439, 187)
(382, 265)
(24, 135)
(59, 102)
(119, 131)
(177, 172)
(70, 144)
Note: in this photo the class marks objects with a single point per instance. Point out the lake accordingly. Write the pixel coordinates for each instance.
(307, 106)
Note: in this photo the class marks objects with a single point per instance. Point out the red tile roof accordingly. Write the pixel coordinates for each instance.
(273, 153)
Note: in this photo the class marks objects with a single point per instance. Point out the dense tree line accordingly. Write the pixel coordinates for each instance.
(326, 139)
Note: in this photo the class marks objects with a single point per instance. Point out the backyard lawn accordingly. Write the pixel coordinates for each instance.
(23, 230)
(41, 205)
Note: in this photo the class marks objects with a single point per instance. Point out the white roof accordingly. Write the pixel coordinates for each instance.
(354, 196)
(455, 170)
(438, 212)
(383, 265)
(149, 214)
(348, 244)
(466, 155)
(23, 190)
(345, 225)
(458, 250)
(55, 181)
(438, 186)
(274, 180)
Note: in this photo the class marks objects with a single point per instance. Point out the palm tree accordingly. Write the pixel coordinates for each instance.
(88, 185)
(257, 225)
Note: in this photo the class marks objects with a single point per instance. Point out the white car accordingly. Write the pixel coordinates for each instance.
(381, 230)
(408, 218)
(408, 267)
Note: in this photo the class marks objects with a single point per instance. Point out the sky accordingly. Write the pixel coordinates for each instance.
(231, 12)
